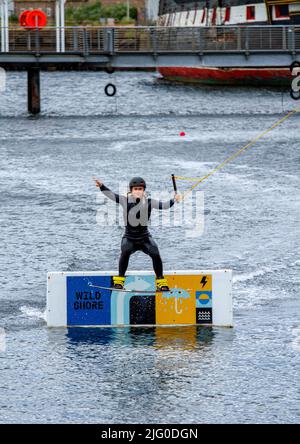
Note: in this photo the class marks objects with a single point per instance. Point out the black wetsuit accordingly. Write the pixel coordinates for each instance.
(136, 213)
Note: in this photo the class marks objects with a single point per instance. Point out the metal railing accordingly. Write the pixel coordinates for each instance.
(104, 40)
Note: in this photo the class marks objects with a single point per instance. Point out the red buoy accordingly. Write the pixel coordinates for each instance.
(33, 19)
(182, 133)
(36, 19)
(22, 17)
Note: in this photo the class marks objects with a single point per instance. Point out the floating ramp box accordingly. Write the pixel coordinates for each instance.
(197, 297)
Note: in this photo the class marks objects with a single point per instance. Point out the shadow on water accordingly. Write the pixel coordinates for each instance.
(283, 86)
(182, 337)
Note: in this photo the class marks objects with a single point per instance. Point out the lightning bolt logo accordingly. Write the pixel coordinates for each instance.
(203, 281)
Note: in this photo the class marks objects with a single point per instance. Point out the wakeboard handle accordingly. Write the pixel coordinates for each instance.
(174, 183)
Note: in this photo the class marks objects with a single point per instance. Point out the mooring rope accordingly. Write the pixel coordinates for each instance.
(233, 156)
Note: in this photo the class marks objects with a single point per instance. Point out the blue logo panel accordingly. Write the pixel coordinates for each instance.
(87, 305)
(203, 299)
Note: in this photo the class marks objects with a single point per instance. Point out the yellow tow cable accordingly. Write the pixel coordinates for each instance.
(233, 156)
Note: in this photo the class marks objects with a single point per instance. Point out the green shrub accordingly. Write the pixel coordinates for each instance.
(90, 14)
(14, 18)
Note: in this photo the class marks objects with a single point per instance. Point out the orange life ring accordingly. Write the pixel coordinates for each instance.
(22, 17)
(36, 19)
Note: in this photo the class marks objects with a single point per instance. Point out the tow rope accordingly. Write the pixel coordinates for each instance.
(233, 156)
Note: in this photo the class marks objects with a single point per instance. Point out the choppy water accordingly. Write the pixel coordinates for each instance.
(48, 223)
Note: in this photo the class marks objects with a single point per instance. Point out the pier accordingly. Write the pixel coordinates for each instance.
(143, 48)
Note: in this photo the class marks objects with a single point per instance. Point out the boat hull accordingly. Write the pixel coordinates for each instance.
(228, 76)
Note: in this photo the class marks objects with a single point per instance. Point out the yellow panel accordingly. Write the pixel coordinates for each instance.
(179, 307)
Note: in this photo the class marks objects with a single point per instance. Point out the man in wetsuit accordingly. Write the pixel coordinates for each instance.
(137, 211)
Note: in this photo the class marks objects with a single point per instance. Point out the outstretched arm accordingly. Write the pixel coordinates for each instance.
(110, 194)
(163, 205)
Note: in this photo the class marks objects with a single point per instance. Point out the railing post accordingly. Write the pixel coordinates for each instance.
(85, 43)
(75, 39)
(109, 40)
(29, 40)
(284, 38)
(98, 40)
(247, 39)
(4, 26)
(239, 39)
(153, 33)
(201, 40)
(1, 26)
(291, 39)
(271, 39)
(112, 41)
(37, 40)
(57, 24)
(62, 25)
(7, 27)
